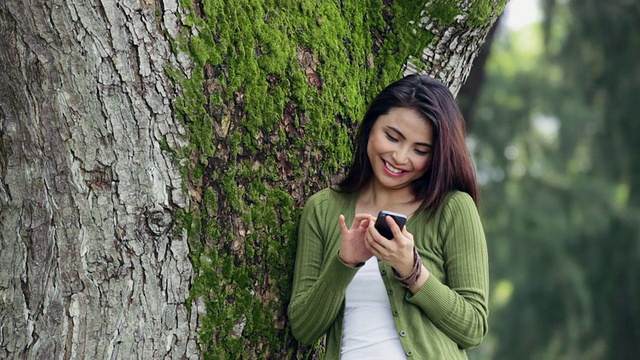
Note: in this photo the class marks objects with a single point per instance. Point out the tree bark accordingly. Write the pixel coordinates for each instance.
(451, 54)
(148, 201)
(92, 266)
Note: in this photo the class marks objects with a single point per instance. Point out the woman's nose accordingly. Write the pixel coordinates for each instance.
(400, 156)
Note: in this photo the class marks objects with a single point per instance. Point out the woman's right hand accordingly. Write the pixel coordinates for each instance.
(352, 247)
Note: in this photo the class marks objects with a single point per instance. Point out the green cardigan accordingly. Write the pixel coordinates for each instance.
(446, 316)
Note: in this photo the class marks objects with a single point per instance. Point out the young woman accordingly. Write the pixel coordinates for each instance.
(422, 294)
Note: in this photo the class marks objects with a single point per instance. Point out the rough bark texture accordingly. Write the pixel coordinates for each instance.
(460, 29)
(91, 264)
(103, 254)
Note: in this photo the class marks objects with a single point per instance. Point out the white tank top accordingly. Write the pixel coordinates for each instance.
(368, 331)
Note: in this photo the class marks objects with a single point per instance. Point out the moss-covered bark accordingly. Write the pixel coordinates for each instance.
(275, 92)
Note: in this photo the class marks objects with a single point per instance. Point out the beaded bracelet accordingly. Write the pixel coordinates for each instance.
(413, 277)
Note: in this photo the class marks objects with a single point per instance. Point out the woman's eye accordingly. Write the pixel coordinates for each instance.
(391, 138)
(420, 152)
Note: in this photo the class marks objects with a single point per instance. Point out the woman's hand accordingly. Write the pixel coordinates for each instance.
(353, 250)
(397, 252)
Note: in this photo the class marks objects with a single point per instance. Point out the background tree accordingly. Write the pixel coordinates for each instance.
(554, 137)
(154, 157)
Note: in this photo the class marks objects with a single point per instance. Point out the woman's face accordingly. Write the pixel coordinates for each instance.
(400, 147)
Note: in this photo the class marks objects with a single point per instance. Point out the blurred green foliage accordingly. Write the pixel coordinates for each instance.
(554, 138)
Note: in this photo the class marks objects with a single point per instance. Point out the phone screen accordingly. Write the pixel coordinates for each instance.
(382, 226)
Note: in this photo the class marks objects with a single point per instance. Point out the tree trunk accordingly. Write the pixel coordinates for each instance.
(92, 265)
(154, 159)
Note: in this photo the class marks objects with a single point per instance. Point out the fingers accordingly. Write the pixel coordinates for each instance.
(360, 222)
(394, 252)
(395, 229)
(363, 217)
(352, 246)
(407, 234)
(343, 224)
(375, 242)
(401, 236)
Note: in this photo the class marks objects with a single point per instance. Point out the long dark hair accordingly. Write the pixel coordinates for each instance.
(451, 165)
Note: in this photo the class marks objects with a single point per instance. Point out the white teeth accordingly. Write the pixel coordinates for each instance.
(391, 168)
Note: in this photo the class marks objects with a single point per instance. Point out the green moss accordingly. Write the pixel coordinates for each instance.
(444, 12)
(281, 117)
(481, 12)
(209, 202)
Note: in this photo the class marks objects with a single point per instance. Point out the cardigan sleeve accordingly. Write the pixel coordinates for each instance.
(458, 306)
(318, 289)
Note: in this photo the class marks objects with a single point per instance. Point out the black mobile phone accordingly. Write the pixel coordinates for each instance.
(382, 226)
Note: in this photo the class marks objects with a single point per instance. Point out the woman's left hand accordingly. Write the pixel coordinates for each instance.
(397, 252)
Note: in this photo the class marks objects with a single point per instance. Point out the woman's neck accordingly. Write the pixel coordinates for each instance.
(375, 198)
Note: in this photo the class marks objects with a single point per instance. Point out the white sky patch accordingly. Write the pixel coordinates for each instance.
(521, 13)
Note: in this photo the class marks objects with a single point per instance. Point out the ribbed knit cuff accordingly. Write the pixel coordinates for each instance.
(434, 297)
(338, 274)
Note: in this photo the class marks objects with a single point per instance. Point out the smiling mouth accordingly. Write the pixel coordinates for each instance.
(392, 169)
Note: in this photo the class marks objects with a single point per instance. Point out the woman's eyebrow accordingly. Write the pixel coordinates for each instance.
(404, 137)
